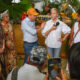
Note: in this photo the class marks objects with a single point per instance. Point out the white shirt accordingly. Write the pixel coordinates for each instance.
(29, 31)
(52, 40)
(28, 72)
(77, 38)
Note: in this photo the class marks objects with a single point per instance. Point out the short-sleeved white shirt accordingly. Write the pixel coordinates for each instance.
(77, 38)
(52, 40)
(28, 72)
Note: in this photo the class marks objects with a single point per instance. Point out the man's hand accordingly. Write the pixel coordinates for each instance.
(38, 30)
(63, 76)
(37, 27)
(40, 27)
(46, 77)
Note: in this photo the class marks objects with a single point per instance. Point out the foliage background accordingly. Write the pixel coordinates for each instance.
(15, 9)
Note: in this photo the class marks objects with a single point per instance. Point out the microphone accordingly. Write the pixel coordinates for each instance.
(56, 24)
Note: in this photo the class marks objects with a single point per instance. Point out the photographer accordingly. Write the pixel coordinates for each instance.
(73, 63)
(31, 71)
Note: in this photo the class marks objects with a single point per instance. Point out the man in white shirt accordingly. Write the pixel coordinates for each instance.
(32, 70)
(29, 32)
(52, 32)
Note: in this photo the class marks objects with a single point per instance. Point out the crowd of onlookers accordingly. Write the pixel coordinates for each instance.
(35, 55)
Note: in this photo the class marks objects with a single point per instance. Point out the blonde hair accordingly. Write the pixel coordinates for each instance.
(54, 9)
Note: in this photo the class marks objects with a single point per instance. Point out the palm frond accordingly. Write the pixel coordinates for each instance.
(15, 9)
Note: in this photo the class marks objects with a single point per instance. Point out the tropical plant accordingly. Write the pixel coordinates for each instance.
(15, 9)
(74, 3)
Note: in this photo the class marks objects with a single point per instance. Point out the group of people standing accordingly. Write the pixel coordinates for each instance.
(51, 30)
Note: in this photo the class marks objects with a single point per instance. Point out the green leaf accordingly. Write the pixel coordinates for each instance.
(15, 9)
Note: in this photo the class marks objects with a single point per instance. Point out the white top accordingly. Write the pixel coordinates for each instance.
(52, 40)
(28, 72)
(29, 31)
(77, 38)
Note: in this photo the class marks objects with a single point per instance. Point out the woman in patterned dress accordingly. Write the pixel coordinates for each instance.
(3, 74)
(9, 52)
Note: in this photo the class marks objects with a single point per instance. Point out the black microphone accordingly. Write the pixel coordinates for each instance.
(56, 24)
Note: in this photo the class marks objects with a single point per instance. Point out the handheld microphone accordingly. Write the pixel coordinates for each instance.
(56, 24)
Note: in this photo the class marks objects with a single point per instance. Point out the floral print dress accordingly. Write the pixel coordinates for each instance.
(2, 62)
(9, 52)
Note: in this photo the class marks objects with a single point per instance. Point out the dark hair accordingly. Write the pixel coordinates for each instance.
(74, 61)
(78, 11)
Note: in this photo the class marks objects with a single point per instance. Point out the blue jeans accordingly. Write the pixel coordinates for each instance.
(54, 52)
(27, 49)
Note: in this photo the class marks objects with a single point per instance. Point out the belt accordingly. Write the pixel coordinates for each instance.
(29, 42)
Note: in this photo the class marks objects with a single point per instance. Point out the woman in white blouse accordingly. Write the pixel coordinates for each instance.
(52, 32)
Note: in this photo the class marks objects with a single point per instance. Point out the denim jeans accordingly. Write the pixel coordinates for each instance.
(54, 52)
(27, 49)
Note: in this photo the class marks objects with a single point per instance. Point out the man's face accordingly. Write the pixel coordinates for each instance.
(33, 17)
(54, 14)
(78, 17)
(47, 8)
